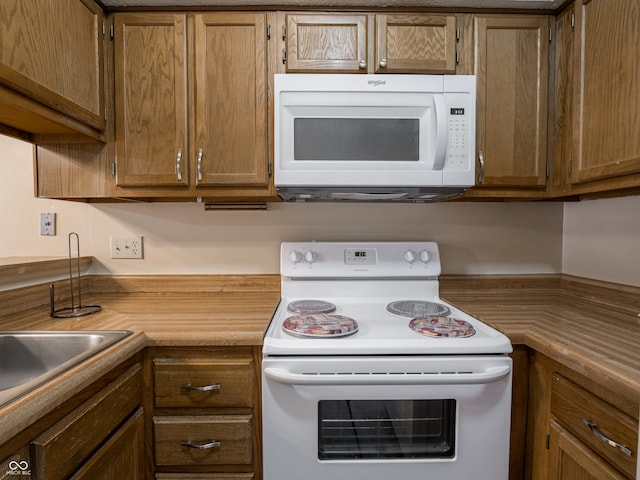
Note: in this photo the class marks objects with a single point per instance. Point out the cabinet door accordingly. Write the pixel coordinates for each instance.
(512, 55)
(327, 43)
(560, 117)
(571, 460)
(151, 100)
(51, 51)
(231, 99)
(122, 456)
(415, 43)
(606, 94)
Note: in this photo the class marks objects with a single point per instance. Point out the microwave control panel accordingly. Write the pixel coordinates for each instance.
(459, 131)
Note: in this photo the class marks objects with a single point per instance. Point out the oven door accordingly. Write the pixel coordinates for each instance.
(377, 418)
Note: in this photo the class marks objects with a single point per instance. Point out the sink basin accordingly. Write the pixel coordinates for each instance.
(29, 359)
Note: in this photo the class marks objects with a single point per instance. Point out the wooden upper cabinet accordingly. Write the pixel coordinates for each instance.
(51, 53)
(606, 97)
(231, 99)
(371, 43)
(418, 43)
(151, 100)
(511, 64)
(327, 43)
(191, 102)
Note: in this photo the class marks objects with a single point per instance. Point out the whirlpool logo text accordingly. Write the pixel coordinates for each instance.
(377, 83)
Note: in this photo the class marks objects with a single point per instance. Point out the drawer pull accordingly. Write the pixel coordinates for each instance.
(205, 388)
(596, 431)
(202, 446)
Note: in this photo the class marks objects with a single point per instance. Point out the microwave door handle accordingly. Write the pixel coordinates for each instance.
(442, 132)
(490, 375)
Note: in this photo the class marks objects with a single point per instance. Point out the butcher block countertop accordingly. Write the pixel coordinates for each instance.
(589, 326)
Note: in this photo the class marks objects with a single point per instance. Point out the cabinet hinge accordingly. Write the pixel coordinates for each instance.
(112, 32)
(457, 34)
(457, 57)
(549, 35)
(548, 171)
(570, 166)
(269, 170)
(284, 56)
(284, 33)
(269, 32)
(113, 169)
(548, 440)
(104, 29)
(573, 20)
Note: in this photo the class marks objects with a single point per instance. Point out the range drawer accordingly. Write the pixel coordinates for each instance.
(203, 440)
(204, 382)
(606, 430)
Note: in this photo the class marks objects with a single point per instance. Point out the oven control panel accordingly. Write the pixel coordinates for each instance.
(354, 259)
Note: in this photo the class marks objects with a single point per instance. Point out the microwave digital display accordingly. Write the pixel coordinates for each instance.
(457, 111)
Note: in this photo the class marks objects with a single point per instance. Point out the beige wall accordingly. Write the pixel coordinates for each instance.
(601, 240)
(479, 238)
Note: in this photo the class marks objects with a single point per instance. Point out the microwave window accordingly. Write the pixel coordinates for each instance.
(386, 429)
(366, 139)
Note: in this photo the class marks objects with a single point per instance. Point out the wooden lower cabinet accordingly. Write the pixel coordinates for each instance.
(572, 460)
(70, 443)
(206, 412)
(577, 428)
(121, 457)
(204, 476)
(98, 434)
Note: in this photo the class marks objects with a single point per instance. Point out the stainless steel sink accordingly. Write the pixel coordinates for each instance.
(29, 359)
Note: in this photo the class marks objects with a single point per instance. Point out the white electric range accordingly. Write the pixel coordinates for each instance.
(361, 281)
(368, 374)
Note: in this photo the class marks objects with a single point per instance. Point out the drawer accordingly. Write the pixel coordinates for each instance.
(204, 476)
(203, 440)
(204, 382)
(593, 421)
(61, 449)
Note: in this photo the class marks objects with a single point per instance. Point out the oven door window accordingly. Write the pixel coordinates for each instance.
(386, 429)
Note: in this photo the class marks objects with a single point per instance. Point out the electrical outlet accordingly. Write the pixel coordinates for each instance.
(126, 247)
(47, 224)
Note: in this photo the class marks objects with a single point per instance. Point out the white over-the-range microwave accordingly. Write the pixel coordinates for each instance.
(384, 138)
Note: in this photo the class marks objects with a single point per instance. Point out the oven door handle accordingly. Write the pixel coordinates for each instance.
(490, 375)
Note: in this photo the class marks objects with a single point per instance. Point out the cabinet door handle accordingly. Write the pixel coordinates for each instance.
(202, 446)
(205, 388)
(200, 165)
(596, 431)
(481, 161)
(179, 165)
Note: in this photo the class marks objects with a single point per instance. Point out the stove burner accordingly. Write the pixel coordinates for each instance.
(436, 326)
(311, 306)
(417, 308)
(320, 325)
